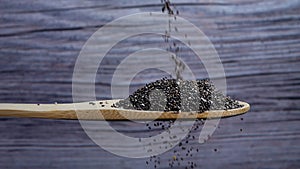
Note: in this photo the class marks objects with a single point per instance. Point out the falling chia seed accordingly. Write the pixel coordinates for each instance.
(177, 95)
(183, 155)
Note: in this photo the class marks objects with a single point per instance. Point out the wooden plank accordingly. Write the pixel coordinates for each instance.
(258, 43)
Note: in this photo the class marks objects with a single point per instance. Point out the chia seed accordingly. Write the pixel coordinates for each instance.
(178, 95)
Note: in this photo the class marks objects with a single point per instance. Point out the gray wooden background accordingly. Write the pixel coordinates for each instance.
(258, 43)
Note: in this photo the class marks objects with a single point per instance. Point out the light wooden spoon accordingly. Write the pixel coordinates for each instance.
(102, 110)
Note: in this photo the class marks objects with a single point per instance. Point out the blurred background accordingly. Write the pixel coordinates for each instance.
(258, 43)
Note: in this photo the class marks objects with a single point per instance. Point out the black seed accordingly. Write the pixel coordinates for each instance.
(207, 97)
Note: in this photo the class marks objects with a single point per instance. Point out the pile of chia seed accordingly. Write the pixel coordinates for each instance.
(178, 95)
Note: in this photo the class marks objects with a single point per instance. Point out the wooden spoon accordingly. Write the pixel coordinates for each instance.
(102, 110)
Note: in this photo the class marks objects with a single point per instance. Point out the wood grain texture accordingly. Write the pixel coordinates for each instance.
(257, 41)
